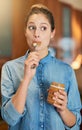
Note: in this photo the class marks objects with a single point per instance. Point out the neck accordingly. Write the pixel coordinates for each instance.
(43, 53)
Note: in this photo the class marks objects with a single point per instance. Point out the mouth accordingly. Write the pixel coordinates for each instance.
(36, 44)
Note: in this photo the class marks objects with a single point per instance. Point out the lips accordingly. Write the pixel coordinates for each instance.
(36, 43)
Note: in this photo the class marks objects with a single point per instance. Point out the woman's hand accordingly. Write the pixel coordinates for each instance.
(33, 59)
(60, 101)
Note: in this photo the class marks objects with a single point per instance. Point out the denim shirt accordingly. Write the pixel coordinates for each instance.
(38, 113)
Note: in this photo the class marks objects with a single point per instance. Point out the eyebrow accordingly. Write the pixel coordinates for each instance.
(45, 23)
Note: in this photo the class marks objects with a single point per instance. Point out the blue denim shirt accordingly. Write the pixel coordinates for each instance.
(38, 113)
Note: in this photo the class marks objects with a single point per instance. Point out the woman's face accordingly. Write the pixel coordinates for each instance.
(38, 30)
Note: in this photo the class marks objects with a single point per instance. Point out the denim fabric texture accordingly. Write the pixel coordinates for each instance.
(38, 113)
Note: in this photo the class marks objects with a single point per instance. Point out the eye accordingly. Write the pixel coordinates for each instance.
(31, 27)
(43, 28)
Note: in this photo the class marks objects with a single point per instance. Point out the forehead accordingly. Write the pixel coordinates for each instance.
(40, 17)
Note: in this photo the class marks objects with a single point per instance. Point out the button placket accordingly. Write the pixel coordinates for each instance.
(41, 96)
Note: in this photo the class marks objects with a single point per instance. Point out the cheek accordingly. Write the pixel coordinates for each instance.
(28, 36)
(47, 38)
(47, 35)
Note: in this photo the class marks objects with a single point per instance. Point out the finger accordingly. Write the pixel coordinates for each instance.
(62, 92)
(34, 65)
(57, 105)
(31, 59)
(61, 99)
(57, 100)
(33, 54)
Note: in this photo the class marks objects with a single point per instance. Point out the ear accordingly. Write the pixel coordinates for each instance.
(53, 34)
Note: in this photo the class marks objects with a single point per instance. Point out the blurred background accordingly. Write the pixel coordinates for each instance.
(66, 45)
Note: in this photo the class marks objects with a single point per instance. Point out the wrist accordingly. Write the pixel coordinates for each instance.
(25, 81)
(62, 112)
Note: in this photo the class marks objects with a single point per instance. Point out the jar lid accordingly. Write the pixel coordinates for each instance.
(58, 85)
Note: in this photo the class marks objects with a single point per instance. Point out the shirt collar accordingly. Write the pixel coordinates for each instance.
(46, 58)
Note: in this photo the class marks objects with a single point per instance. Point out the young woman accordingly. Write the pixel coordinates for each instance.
(26, 80)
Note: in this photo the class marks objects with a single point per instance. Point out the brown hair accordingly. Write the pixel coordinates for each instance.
(39, 8)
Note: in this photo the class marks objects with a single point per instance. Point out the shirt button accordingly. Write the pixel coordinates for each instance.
(41, 97)
(40, 84)
(41, 126)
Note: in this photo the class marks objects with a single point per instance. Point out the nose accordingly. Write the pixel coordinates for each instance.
(36, 33)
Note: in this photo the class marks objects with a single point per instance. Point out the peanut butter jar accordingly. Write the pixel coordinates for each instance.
(54, 87)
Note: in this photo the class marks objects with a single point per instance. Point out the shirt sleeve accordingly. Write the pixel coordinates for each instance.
(74, 102)
(8, 112)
